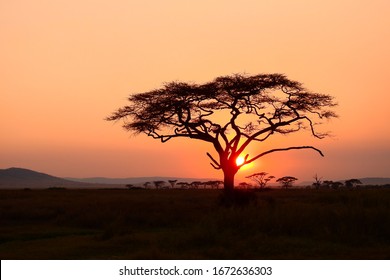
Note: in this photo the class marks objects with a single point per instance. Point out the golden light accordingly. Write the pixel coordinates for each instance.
(240, 160)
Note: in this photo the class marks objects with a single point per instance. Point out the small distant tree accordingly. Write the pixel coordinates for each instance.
(147, 185)
(172, 183)
(286, 181)
(129, 186)
(327, 184)
(318, 182)
(261, 179)
(214, 184)
(159, 184)
(336, 185)
(351, 183)
(230, 113)
(196, 184)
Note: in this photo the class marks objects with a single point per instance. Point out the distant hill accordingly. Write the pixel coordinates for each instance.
(13, 178)
(375, 181)
(19, 178)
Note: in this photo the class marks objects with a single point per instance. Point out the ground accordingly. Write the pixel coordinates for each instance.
(194, 224)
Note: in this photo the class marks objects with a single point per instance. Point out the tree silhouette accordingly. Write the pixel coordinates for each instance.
(327, 184)
(336, 185)
(195, 184)
(352, 183)
(261, 179)
(172, 183)
(286, 181)
(159, 184)
(318, 181)
(230, 113)
(214, 184)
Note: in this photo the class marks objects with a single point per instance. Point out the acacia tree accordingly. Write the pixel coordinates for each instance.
(172, 182)
(286, 181)
(159, 184)
(352, 183)
(261, 178)
(230, 113)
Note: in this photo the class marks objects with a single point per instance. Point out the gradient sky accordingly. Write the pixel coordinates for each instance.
(65, 65)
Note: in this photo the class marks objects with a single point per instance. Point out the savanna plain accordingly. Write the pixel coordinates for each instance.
(194, 224)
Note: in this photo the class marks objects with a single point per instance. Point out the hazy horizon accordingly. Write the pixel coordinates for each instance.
(67, 65)
(16, 177)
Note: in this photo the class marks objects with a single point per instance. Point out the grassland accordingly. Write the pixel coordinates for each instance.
(194, 224)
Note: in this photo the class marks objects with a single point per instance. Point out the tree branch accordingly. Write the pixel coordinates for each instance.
(270, 129)
(284, 149)
(214, 163)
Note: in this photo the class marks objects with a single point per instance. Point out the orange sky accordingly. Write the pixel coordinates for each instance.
(66, 65)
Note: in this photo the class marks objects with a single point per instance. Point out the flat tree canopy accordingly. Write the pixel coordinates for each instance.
(230, 113)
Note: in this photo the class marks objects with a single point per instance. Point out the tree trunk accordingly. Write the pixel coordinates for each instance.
(228, 180)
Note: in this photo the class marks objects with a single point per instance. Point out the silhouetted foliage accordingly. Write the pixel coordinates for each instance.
(261, 179)
(230, 113)
(214, 184)
(286, 181)
(352, 183)
(318, 182)
(159, 184)
(172, 182)
(195, 184)
(336, 185)
(327, 184)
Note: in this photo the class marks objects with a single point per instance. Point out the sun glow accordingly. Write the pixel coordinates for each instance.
(240, 160)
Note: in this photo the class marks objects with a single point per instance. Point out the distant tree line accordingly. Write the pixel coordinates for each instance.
(174, 184)
(260, 180)
(328, 184)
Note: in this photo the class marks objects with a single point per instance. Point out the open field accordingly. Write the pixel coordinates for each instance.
(194, 224)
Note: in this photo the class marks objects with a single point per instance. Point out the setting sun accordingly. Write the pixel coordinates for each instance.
(240, 160)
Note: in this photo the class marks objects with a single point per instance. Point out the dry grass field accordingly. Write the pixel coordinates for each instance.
(194, 224)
